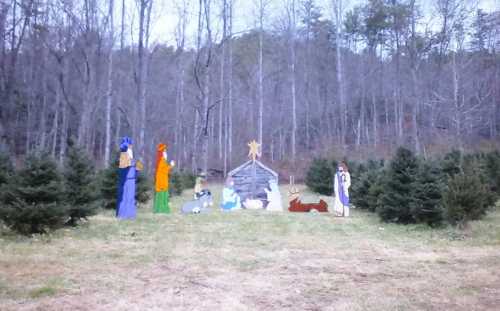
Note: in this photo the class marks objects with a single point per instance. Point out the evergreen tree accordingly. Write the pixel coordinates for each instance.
(181, 180)
(397, 188)
(109, 179)
(143, 188)
(319, 177)
(366, 190)
(176, 184)
(492, 168)
(33, 201)
(466, 198)
(79, 189)
(451, 164)
(427, 194)
(6, 168)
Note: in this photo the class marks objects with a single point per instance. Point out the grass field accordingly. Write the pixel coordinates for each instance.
(252, 260)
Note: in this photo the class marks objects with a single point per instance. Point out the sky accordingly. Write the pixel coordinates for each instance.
(164, 17)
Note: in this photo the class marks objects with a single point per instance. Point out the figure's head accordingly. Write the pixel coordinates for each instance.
(273, 184)
(162, 147)
(125, 144)
(342, 167)
(162, 151)
(229, 182)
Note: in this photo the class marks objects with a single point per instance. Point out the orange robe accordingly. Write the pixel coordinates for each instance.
(162, 176)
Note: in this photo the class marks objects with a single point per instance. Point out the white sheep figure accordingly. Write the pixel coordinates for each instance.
(274, 197)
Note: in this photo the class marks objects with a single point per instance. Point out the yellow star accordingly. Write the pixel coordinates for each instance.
(254, 151)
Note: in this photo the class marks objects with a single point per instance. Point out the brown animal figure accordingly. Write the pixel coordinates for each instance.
(297, 206)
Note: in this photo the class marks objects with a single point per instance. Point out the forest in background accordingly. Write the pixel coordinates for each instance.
(298, 84)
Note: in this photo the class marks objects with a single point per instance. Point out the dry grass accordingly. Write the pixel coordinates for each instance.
(252, 260)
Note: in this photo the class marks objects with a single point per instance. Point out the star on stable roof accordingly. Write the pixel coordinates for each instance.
(254, 151)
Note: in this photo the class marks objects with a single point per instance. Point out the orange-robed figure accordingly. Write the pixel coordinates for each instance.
(162, 175)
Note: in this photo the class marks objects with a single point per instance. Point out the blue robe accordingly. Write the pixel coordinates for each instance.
(126, 208)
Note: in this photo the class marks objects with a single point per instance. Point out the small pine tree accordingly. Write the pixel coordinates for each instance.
(188, 180)
(397, 188)
(143, 188)
(33, 201)
(365, 188)
(108, 180)
(79, 177)
(181, 180)
(466, 198)
(176, 185)
(6, 168)
(492, 170)
(319, 177)
(451, 164)
(427, 194)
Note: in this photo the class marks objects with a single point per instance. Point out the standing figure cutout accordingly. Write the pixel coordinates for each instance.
(126, 208)
(163, 169)
(341, 184)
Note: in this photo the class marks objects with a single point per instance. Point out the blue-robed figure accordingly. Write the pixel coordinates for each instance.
(126, 208)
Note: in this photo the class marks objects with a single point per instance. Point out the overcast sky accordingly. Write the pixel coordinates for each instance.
(165, 14)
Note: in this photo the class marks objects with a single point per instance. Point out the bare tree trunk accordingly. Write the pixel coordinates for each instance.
(456, 101)
(144, 20)
(292, 25)
(222, 79)
(229, 135)
(340, 78)
(109, 98)
(261, 70)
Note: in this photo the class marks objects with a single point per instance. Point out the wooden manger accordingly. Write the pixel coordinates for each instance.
(250, 180)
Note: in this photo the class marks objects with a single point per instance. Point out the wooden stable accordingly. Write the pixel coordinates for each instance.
(250, 180)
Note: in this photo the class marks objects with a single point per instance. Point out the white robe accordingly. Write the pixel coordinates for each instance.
(274, 198)
(338, 207)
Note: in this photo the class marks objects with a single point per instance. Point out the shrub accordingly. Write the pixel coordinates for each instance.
(143, 188)
(451, 164)
(33, 201)
(365, 189)
(180, 181)
(466, 198)
(397, 188)
(427, 195)
(79, 191)
(319, 177)
(108, 181)
(492, 171)
(6, 168)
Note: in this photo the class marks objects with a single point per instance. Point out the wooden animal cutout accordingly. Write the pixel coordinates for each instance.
(297, 206)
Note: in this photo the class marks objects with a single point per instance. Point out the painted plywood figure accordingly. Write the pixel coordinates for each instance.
(274, 197)
(296, 205)
(230, 199)
(341, 184)
(163, 168)
(252, 178)
(126, 208)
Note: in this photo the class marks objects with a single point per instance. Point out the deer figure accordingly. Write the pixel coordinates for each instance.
(298, 207)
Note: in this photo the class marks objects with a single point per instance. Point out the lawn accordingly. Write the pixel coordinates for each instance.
(252, 260)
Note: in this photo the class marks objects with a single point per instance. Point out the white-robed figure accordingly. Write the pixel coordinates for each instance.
(341, 184)
(274, 197)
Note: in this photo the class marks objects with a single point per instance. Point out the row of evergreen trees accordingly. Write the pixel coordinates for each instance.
(41, 197)
(408, 189)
